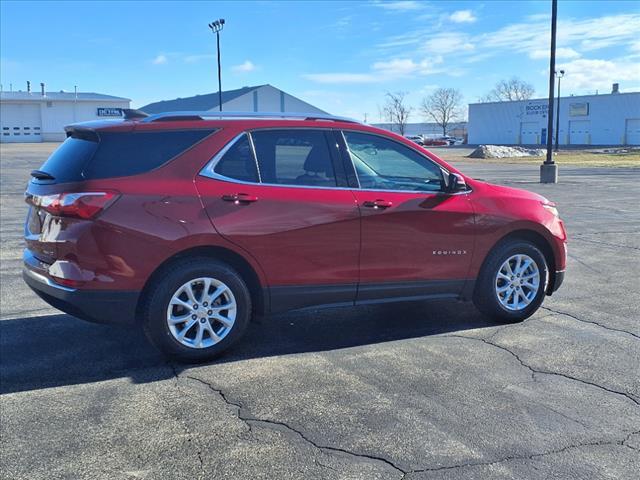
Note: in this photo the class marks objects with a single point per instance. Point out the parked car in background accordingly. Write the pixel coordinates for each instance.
(435, 142)
(415, 139)
(190, 224)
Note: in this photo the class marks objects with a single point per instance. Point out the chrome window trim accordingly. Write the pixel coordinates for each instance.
(255, 156)
(209, 169)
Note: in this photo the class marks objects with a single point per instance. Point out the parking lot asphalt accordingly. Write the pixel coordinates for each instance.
(421, 390)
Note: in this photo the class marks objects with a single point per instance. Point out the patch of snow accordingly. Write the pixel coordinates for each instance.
(498, 151)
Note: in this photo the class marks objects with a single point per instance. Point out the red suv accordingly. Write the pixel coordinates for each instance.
(190, 224)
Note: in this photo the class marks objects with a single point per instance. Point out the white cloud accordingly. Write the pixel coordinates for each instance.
(245, 67)
(581, 35)
(400, 6)
(448, 42)
(560, 53)
(400, 67)
(382, 71)
(587, 75)
(463, 16)
(160, 60)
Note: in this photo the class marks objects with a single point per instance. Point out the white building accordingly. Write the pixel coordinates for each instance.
(610, 119)
(261, 98)
(42, 116)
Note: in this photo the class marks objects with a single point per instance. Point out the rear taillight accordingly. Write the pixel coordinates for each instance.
(78, 204)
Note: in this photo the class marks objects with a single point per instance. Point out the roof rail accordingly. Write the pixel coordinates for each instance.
(173, 116)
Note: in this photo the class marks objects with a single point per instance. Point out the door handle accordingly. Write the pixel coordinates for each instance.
(377, 204)
(239, 198)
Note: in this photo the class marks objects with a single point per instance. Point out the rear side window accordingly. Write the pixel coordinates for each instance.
(86, 156)
(123, 154)
(294, 157)
(67, 162)
(238, 162)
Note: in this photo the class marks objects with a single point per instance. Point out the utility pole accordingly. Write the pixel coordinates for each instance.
(216, 27)
(548, 169)
(559, 74)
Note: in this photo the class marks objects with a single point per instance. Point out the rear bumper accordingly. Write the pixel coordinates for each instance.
(100, 306)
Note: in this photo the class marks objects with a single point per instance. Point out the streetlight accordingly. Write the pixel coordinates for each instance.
(216, 27)
(548, 169)
(559, 74)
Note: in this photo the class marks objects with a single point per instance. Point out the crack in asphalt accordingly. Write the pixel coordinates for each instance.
(249, 420)
(278, 425)
(600, 233)
(532, 456)
(187, 430)
(606, 327)
(583, 263)
(535, 371)
(606, 243)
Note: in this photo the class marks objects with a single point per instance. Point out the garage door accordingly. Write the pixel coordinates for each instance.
(632, 133)
(529, 133)
(579, 132)
(20, 123)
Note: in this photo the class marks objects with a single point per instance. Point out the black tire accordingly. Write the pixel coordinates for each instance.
(485, 297)
(156, 302)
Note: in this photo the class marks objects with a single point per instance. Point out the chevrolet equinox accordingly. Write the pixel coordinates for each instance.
(190, 223)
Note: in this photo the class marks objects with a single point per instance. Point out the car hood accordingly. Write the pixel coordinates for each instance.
(503, 191)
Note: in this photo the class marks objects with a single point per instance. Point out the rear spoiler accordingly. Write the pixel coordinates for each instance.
(133, 114)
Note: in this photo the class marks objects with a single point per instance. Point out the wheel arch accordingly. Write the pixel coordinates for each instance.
(539, 241)
(259, 294)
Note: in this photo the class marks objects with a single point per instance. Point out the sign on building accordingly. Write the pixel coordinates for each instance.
(109, 112)
(578, 109)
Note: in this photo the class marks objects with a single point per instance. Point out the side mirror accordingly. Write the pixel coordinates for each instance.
(456, 183)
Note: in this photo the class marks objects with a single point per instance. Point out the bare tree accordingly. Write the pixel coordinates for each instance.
(396, 112)
(443, 106)
(509, 90)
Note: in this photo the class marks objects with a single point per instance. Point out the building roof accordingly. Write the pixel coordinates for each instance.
(570, 97)
(198, 103)
(36, 96)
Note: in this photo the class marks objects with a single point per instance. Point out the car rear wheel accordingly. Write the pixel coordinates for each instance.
(197, 309)
(512, 283)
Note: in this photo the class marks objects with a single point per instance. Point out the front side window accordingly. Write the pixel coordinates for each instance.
(294, 157)
(382, 164)
(238, 162)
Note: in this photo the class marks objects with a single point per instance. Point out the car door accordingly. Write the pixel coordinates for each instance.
(417, 240)
(281, 195)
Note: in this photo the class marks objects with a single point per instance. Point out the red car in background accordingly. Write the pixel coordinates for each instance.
(189, 224)
(435, 142)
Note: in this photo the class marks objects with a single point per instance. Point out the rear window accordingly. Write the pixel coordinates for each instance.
(118, 154)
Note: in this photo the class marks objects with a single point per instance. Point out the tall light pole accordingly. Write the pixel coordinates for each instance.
(559, 74)
(216, 27)
(548, 169)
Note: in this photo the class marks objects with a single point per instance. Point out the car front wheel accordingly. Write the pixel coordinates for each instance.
(512, 283)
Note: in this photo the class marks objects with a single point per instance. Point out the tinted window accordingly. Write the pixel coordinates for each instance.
(91, 155)
(122, 154)
(67, 162)
(238, 162)
(384, 164)
(294, 157)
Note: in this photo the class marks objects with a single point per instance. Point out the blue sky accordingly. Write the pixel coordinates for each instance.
(340, 56)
